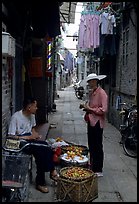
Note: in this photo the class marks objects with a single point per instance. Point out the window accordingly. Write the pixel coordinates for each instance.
(125, 46)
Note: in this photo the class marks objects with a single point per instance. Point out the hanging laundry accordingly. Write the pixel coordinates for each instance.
(107, 23)
(97, 30)
(107, 45)
(107, 33)
(69, 61)
(82, 30)
(89, 31)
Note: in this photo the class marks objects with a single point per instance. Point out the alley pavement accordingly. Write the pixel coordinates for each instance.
(119, 181)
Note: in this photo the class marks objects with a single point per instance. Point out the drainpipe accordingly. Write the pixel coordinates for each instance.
(85, 66)
(98, 63)
(54, 75)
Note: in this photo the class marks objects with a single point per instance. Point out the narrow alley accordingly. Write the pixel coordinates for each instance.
(119, 182)
(45, 49)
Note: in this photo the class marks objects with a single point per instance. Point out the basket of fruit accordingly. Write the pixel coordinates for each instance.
(76, 173)
(76, 148)
(73, 158)
(77, 184)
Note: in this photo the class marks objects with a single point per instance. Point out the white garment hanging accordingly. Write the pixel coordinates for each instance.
(107, 22)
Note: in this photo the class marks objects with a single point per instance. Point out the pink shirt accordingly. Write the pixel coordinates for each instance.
(89, 31)
(94, 36)
(81, 32)
(98, 102)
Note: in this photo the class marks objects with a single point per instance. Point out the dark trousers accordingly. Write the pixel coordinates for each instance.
(43, 158)
(95, 139)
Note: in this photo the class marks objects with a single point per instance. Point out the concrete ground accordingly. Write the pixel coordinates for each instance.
(119, 183)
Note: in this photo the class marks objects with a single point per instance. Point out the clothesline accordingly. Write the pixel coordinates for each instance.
(93, 26)
(108, 9)
(97, 12)
(90, 12)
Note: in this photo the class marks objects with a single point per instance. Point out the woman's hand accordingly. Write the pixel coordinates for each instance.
(83, 105)
(86, 107)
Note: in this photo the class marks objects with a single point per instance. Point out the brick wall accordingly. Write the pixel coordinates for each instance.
(6, 98)
(126, 75)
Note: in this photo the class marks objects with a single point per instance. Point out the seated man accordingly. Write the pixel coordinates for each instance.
(22, 127)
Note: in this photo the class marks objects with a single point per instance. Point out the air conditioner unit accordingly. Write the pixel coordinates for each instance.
(8, 45)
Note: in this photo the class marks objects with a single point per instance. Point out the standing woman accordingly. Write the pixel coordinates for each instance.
(96, 109)
(22, 127)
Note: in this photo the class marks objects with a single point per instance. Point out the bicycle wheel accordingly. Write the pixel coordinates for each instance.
(130, 146)
(6, 195)
(24, 192)
(17, 194)
(11, 195)
(16, 179)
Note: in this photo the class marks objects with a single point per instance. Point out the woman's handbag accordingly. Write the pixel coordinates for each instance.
(86, 117)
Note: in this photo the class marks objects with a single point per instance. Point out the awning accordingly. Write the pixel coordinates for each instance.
(33, 18)
(67, 12)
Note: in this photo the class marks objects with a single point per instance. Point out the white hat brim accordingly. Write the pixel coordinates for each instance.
(84, 82)
(99, 77)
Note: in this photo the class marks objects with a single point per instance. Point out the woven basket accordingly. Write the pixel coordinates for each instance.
(72, 146)
(73, 189)
(87, 173)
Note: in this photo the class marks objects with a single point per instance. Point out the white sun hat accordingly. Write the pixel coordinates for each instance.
(94, 76)
(84, 82)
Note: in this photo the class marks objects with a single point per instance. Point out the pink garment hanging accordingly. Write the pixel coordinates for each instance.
(81, 31)
(89, 31)
(95, 33)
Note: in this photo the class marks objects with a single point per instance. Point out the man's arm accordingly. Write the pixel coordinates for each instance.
(33, 136)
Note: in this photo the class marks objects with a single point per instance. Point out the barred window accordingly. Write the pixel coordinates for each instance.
(125, 46)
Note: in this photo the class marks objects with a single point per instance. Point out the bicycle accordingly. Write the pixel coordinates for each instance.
(16, 168)
(128, 130)
(15, 181)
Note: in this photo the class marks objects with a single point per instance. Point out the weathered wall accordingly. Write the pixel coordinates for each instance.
(6, 98)
(126, 74)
